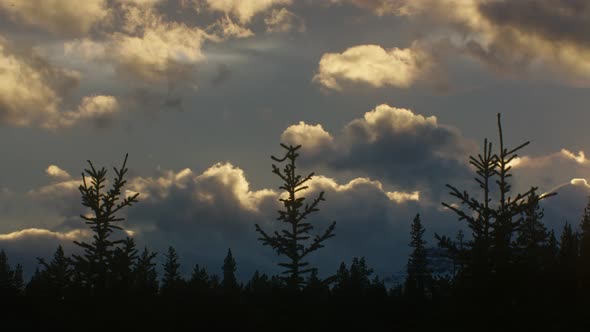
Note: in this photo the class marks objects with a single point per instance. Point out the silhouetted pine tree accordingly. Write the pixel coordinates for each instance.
(584, 260)
(123, 262)
(229, 282)
(145, 276)
(419, 277)
(355, 281)
(57, 275)
(259, 285)
(490, 255)
(199, 281)
(533, 238)
(315, 287)
(172, 280)
(93, 267)
(291, 241)
(11, 282)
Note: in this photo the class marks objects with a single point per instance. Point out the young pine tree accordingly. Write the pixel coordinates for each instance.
(11, 281)
(490, 255)
(94, 266)
(172, 280)
(584, 254)
(229, 282)
(419, 277)
(57, 276)
(294, 241)
(123, 262)
(199, 281)
(145, 276)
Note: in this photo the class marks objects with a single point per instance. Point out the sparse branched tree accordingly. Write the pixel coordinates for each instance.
(105, 205)
(295, 241)
(493, 222)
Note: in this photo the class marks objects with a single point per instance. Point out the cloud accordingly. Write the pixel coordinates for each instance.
(550, 170)
(244, 10)
(57, 173)
(31, 90)
(374, 66)
(153, 49)
(408, 149)
(63, 17)
(226, 28)
(100, 109)
(508, 36)
(283, 21)
(38, 232)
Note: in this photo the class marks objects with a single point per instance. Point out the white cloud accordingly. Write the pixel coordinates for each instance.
(313, 138)
(154, 49)
(57, 173)
(38, 232)
(244, 10)
(28, 92)
(283, 21)
(64, 17)
(374, 66)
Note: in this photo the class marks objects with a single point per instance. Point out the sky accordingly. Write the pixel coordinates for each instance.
(388, 98)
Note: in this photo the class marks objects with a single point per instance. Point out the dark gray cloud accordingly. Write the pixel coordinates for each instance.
(409, 150)
(556, 20)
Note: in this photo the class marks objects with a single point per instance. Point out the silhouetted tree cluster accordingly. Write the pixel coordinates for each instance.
(510, 266)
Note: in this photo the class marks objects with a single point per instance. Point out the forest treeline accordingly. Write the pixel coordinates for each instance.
(509, 273)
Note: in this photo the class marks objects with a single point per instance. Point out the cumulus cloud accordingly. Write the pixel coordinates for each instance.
(508, 36)
(550, 170)
(99, 109)
(407, 149)
(226, 28)
(62, 17)
(154, 49)
(244, 10)
(283, 21)
(55, 172)
(31, 90)
(374, 66)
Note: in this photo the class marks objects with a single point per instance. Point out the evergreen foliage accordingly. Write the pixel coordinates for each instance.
(145, 279)
(56, 278)
(229, 282)
(490, 255)
(291, 242)
(419, 277)
(93, 268)
(172, 280)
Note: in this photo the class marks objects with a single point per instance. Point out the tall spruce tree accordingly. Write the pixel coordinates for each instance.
(93, 267)
(229, 282)
(172, 280)
(145, 276)
(489, 255)
(123, 262)
(584, 254)
(419, 275)
(11, 281)
(294, 241)
(57, 275)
